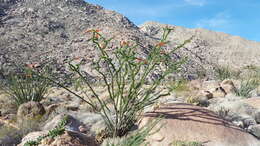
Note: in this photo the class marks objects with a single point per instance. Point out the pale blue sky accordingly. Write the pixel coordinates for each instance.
(236, 17)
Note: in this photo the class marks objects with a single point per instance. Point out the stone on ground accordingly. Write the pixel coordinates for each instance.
(192, 123)
(69, 138)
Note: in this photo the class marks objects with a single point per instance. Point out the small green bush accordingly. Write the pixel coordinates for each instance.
(25, 86)
(224, 72)
(246, 87)
(253, 72)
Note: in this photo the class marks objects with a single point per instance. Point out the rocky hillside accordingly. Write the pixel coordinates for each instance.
(36, 31)
(208, 47)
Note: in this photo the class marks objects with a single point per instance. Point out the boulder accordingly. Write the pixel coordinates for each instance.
(32, 136)
(51, 108)
(242, 112)
(232, 103)
(200, 99)
(30, 110)
(72, 123)
(94, 122)
(255, 130)
(69, 138)
(257, 116)
(247, 121)
(214, 88)
(228, 86)
(186, 122)
(218, 92)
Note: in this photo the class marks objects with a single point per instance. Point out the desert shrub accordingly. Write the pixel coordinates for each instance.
(253, 72)
(225, 72)
(126, 75)
(24, 86)
(246, 87)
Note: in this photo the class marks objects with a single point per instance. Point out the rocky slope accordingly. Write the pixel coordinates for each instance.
(208, 47)
(35, 31)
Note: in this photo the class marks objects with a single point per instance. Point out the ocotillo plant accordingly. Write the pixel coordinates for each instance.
(125, 75)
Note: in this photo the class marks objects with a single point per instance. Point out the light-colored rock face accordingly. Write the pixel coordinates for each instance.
(208, 47)
(191, 123)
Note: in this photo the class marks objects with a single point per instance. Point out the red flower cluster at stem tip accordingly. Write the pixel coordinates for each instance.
(142, 60)
(96, 36)
(92, 30)
(33, 65)
(161, 44)
(77, 58)
(28, 75)
(124, 43)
